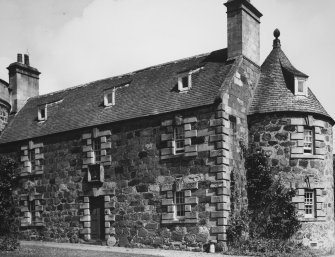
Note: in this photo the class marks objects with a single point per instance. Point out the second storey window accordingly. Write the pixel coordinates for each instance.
(309, 203)
(32, 159)
(97, 149)
(179, 137)
(308, 140)
(180, 204)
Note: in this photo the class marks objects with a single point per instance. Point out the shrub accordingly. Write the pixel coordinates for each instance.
(8, 222)
(269, 222)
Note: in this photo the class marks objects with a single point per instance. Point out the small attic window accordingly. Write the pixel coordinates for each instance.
(109, 97)
(185, 82)
(42, 113)
(300, 86)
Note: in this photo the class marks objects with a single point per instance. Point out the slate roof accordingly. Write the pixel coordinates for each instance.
(151, 91)
(275, 89)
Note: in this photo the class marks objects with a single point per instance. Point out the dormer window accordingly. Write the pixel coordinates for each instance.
(109, 97)
(42, 113)
(185, 82)
(300, 86)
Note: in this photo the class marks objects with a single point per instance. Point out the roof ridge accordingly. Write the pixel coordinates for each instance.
(125, 74)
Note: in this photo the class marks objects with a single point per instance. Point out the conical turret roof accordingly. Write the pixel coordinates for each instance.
(275, 89)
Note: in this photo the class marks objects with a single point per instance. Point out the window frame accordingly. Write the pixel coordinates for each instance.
(179, 199)
(107, 92)
(96, 148)
(42, 108)
(179, 137)
(181, 87)
(32, 158)
(233, 126)
(310, 140)
(309, 203)
(297, 81)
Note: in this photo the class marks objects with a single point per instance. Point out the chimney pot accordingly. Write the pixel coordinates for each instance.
(26, 59)
(19, 58)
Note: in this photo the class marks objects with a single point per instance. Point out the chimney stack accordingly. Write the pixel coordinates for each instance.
(26, 59)
(23, 82)
(19, 58)
(243, 30)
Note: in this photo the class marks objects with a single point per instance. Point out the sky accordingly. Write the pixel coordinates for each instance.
(73, 42)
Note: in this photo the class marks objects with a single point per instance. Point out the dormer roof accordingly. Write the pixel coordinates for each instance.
(275, 89)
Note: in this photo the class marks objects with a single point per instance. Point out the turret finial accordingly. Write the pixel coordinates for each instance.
(276, 41)
(276, 33)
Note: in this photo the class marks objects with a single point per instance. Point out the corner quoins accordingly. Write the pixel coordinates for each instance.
(222, 170)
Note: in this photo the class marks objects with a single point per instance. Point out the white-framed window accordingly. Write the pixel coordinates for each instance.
(179, 138)
(309, 203)
(308, 140)
(185, 82)
(96, 145)
(180, 204)
(42, 113)
(109, 97)
(300, 86)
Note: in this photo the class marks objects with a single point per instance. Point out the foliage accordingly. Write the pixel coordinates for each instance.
(8, 222)
(270, 220)
(272, 213)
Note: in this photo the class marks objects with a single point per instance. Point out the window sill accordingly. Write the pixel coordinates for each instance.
(31, 174)
(181, 221)
(307, 156)
(30, 225)
(179, 155)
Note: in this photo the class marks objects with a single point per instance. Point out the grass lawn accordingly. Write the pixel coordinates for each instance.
(29, 251)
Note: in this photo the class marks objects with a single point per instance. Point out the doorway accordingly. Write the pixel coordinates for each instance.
(97, 218)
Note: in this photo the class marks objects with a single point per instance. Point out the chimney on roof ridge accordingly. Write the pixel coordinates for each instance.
(23, 82)
(19, 58)
(26, 59)
(243, 21)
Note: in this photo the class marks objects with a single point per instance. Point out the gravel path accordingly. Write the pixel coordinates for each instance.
(131, 251)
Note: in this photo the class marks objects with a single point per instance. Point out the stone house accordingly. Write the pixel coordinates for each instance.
(154, 157)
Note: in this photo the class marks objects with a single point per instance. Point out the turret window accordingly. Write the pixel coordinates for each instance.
(308, 140)
(300, 86)
(309, 203)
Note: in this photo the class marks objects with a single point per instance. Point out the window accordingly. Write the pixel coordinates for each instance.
(32, 159)
(179, 139)
(32, 209)
(42, 113)
(185, 82)
(300, 87)
(96, 143)
(180, 204)
(309, 203)
(308, 140)
(95, 173)
(233, 127)
(109, 97)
